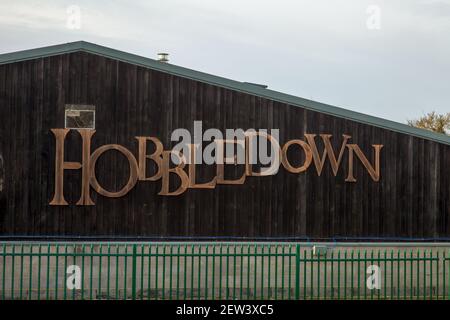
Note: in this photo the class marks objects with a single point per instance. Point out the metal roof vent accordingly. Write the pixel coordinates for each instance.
(257, 84)
(163, 57)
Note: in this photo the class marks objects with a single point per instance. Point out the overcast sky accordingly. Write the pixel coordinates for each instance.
(385, 58)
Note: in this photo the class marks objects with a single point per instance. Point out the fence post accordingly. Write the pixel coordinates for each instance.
(297, 272)
(133, 274)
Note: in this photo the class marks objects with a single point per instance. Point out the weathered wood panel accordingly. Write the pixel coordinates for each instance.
(411, 200)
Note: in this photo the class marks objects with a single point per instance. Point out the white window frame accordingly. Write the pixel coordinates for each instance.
(79, 108)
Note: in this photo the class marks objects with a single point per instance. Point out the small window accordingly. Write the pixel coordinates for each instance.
(79, 116)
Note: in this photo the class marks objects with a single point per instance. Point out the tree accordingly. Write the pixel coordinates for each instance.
(433, 121)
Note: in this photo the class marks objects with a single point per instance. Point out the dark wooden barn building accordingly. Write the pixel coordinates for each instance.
(375, 179)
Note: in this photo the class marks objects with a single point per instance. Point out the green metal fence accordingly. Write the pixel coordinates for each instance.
(220, 271)
(403, 274)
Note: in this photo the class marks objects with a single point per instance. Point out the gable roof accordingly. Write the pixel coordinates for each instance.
(221, 82)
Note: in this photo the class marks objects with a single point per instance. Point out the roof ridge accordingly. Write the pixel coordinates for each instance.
(221, 82)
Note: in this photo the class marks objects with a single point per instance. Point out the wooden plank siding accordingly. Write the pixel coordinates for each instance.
(411, 200)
